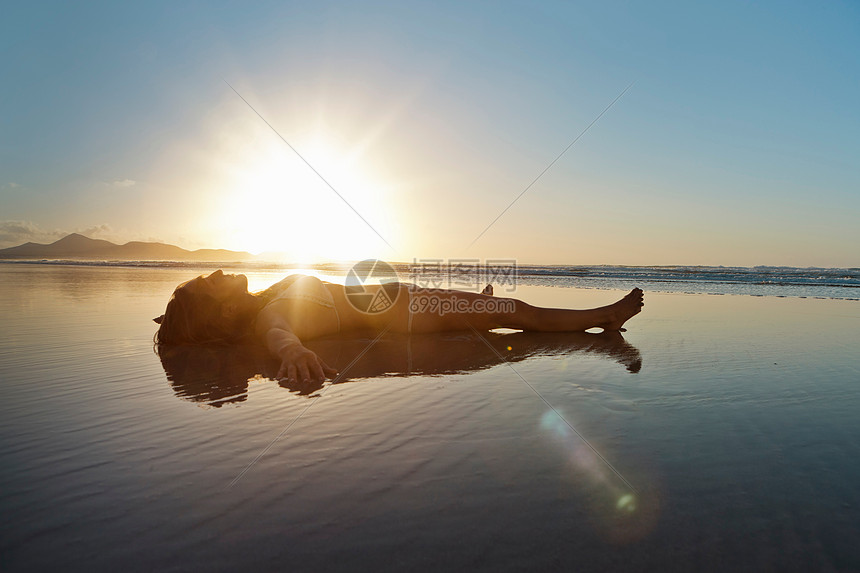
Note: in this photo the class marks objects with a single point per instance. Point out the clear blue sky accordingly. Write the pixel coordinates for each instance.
(737, 144)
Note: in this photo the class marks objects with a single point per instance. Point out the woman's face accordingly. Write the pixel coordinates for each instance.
(219, 286)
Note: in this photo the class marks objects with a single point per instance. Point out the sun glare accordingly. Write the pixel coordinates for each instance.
(275, 203)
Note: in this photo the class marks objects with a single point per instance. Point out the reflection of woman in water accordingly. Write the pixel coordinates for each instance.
(219, 309)
(218, 375)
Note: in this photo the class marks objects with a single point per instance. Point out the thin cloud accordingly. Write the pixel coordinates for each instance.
(95, 231)
(16, 232)
(13, 233)
(120, 183)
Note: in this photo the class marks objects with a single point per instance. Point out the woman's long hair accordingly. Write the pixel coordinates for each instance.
(197, 319)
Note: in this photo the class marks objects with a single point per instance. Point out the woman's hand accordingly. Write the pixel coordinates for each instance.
(298, 364)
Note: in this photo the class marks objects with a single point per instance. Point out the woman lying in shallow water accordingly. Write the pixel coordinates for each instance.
(219, 309)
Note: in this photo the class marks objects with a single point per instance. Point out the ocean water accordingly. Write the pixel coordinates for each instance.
(719, 433)
(756, 281)
(467, 274)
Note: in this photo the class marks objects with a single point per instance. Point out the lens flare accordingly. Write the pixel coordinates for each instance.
(620, 514)
(626, 502)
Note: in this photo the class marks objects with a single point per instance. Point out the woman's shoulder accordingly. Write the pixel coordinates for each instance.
(287, 281)
(279, 287)
(299, 286)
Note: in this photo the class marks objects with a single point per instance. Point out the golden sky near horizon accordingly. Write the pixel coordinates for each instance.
(735, 144)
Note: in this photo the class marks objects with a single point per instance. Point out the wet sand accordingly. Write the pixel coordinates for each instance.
(718, 434)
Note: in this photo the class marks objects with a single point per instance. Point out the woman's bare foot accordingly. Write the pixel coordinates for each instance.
(623, 310)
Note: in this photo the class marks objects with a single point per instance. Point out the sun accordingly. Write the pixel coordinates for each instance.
(274, 202)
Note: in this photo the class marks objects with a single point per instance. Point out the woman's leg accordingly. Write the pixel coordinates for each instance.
(436, 310)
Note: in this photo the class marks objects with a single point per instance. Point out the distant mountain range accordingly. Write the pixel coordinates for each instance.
(77, 246)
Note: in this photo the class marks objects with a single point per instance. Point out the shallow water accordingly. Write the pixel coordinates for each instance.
(720, 434)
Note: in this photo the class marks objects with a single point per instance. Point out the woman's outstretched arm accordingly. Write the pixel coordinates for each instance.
(298, 364)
